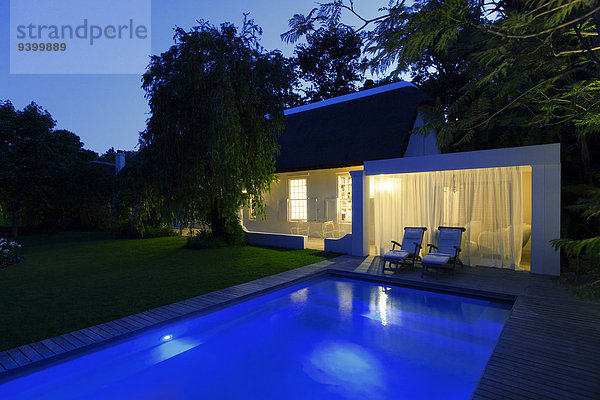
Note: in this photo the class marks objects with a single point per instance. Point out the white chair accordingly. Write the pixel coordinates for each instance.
(301, 228)
(329, 229)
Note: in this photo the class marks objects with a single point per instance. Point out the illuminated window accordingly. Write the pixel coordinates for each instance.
(298, 203)
(344, 198)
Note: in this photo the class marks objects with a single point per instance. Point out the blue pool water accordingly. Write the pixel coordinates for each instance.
(326, 338)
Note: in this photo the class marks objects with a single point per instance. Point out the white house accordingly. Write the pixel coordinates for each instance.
(351, 177)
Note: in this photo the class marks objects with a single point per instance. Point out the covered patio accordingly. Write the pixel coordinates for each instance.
(508, 200)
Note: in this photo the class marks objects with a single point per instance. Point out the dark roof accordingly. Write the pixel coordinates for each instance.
(350, 132)
(107, 167)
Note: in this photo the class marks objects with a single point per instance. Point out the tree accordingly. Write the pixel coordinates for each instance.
(46, 178)
(330, 62)
(81, 191)
(216, 100)
(491, 65)
(504, 73)
(26, 163)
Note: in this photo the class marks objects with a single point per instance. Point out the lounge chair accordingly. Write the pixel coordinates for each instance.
(446, 254)
(408, 250)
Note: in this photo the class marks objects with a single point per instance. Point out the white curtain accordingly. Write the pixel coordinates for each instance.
(487, 202)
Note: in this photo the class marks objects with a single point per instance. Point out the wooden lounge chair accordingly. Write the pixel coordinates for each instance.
(447, 251)
(408, 250)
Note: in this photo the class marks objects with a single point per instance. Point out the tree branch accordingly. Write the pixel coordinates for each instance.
(553, 9)
(366, 22)
(487, 120)
(532, 35)
(587, 47)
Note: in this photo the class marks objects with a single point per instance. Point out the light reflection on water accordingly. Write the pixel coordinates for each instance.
(345, 367)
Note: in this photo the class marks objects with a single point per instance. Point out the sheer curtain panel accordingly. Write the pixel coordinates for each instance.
(488, 202)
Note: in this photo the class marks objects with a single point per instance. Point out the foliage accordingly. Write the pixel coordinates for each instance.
(584, 254)
(130, 230)
(8, 251)
(208, 146)
(137, 207)
(46, 179)
(26, 165)
(503, 74)
(110, 154)
(81, 197)
(204, 239)
(329, 62)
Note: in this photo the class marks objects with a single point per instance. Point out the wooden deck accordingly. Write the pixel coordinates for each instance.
(549, 347)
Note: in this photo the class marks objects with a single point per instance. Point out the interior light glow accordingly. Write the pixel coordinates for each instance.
(166, 338)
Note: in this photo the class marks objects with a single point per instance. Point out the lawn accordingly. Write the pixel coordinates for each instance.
(74, 280)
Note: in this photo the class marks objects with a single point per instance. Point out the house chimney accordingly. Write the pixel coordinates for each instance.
(119, 161)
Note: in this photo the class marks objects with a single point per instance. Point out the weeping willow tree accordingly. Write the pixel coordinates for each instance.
(504, 73)
(216, 101)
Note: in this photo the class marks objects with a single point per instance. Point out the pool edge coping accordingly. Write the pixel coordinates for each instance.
(82, 341)
(430, 286)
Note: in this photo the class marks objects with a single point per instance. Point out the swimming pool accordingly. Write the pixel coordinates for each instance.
(327, 338)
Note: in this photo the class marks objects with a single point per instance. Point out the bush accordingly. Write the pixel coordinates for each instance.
(204, 239)
(129, 230)
(583, 274)
(8, 251)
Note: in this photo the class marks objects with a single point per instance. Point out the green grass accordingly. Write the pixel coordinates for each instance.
(71, 281)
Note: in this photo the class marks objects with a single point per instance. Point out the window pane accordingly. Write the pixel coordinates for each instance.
(298, 204)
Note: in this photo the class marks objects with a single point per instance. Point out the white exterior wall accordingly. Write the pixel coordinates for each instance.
(321, 185)
(421, 145)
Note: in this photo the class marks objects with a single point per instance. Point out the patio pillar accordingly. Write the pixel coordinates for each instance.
(359, 191)
(545, 218)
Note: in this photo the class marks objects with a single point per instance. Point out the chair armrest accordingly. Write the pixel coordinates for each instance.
(457, 250)
(418, 245)
(431, 245)
(396, 244)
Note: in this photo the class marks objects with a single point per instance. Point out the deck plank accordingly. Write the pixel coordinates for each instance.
(43, 350)
(117, 327)
(100, 332)
(53, 346)
(7, 362)
(93, 335)
(30, 353)
(19, 357)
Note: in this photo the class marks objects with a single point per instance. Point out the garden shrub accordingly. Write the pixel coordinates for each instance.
(204, 239)
(8, 252)
(132, 231)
